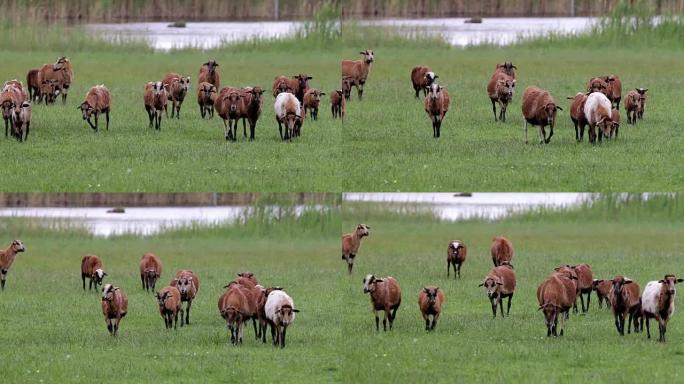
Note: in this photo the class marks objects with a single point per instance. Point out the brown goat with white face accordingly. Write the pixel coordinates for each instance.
(155, 98)
(188, 285)
(91, 267)
(422, 77)
(456, 256)
(430, 300)
(357, 70)
(150, 271)
(21, 119)
(539, 108)
(351, 242)
(7, 259)
(500, 284)
(436, 106)
(385, 295)
(114, 307)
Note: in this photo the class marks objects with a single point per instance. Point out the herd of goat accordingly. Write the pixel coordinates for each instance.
(244, 299)
(597, 108)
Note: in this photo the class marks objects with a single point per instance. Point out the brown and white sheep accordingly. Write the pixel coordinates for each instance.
(555, 300)
(577, 114)
(280, 312)
(61, 71)
(385, 295)
(539, 108)
(625, 299)
(635, 102)
(602, 288)
(33, 85)
(206, 98)
(7, 259)
(500, 90)
(351, 242)
(421, 78)
(21, 119)
(658, 301)
(250, 109)
(430, 300)
(357, 70)
(338, 104)
(501, 250)
(91, 267)
(598, 109)
(178, 87)
(155, 98)
(169, 301)
(436, 106)
(10, 98)
(228, 107)
(312, 100)
(188, 285)
(288, 111)
(98, 100)
(150, 270)
(456, 256)
(209, 73)
(500, 284)
(114, 307)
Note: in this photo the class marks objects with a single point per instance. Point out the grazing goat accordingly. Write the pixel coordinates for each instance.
(422, 78)
(357, 70)
(288, 111)
(498, 285)
(10, 98)
(501, 250)
(206, 97)
(114, 307)
(150, 271)
(250, 109)
(228, 107)
(169, 300)
(280, 312)
(337, 104)
(577, 114)
(436, 106)
(208, 73)
(178, 87)
(155, 97)
(385, 295)
(91, 267)
(500, 90)
(430, 302)
(61, 71)
(539, 108)
(625, 299)
(98, 100)
(635, 101)
(32, 84)
(188, 285)
(351, 242)
(312, 100)
(7, 258)
(555, 300)
(22, 121)
(602, 288)
(456, 256)
(658, 301)
(597, 109)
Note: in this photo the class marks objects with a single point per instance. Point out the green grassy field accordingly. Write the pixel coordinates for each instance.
(54, 332)
(385, 143)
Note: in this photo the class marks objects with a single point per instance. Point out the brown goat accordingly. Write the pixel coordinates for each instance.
(252, 290)
(208, 73)
(615, 128)
(614, 91)
(625, 299)
(500, 90)
(150, 270)
(346, 87)
(169, 301)
(312, 100)
(351, 242)
(48, 91)
(237, 305)
(250, 109)
(91, 267)
(282, 84)
(635, 102)
(7, 259)
(21, 118)
(228, 106)
(555, 300)
(188, 285)
(421, 78)
(155, 98)
(430, 300)
(501, 250)
(98, 100)
(357, 70)
(10, 98)
(602, 288)
(506, 68)
(114, 307)
(500, 284)
(61, 71)
(577, 114)
(436, 106)
(385, 295)
(585, 281)
(539, 108)
(33, 85)
(456, 256)
(571, 283)
(597, 84)
(206, 98)
(178, 87)
(337, 104)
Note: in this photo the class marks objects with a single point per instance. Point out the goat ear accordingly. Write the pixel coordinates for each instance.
(628, 282)
(322, 93)
(661, 281)
(436, 76)
(680, 280)
(514, 67)
(104, 274)
(499, 283)
(559, 108)
(362, 52)
(295, 310)
(309, 77)
(541, 307)
(481, 284)
(378, 280)
(556, 269)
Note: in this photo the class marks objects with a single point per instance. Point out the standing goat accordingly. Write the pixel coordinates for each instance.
(356, 71)
(98, 100)
(430, 302)
(155, 97)
(351, 242)
(188, 286)
(385, 295)
(150, 271)
(658, 301)
(7, 259)
(114, 307)
(436, 106)
(91, 267)
(539, 108)
(456, 256)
